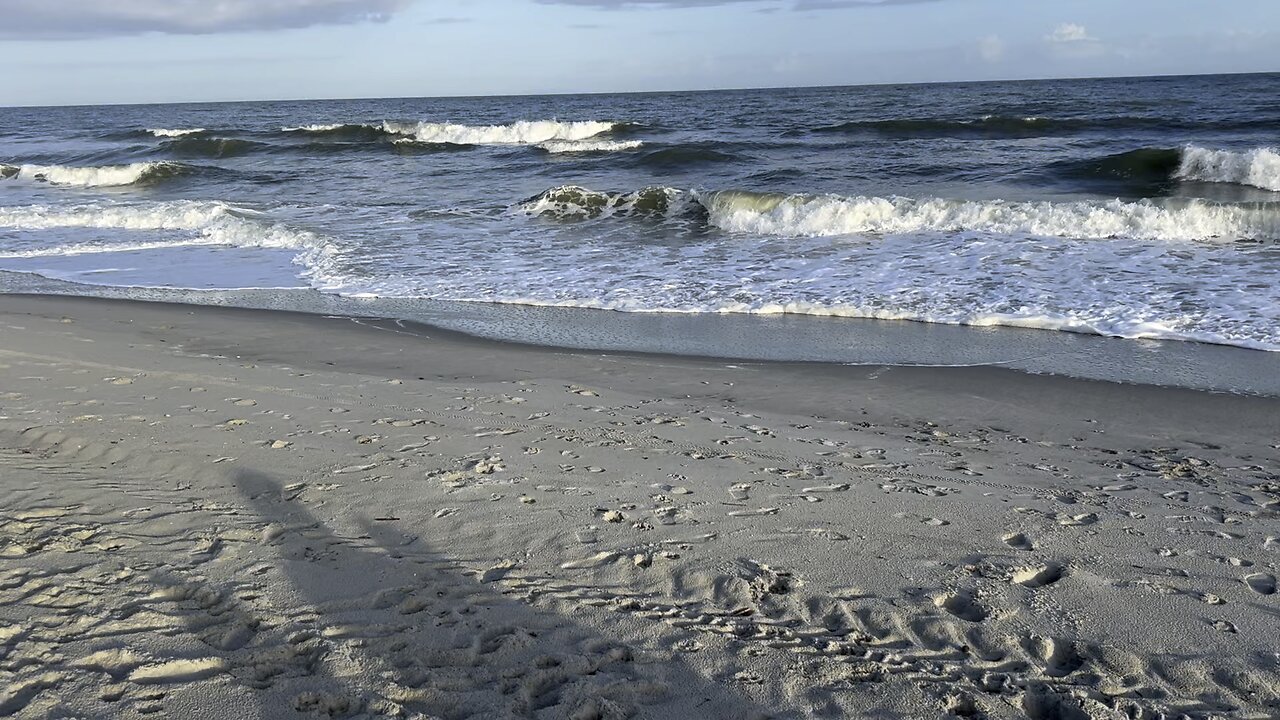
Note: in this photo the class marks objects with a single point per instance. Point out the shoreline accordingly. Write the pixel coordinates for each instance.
(271, 513)
(760, 338)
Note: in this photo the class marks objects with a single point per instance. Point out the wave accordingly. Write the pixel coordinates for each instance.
(1259, 167)
(685, 156)
(572, 202)
(139, 173)
(552, 136)
(173, 133)
(211, 147)
(344, 132)
(986, 126)
(588, 146)
(1153, 170)
(780, 215)
(823, 215)
(525, 132)
(1005, 126)
(1148, 165)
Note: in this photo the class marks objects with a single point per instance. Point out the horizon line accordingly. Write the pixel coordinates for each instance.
(649, 92)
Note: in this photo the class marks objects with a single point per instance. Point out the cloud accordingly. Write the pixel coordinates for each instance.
(73, 19)
(1068, 33)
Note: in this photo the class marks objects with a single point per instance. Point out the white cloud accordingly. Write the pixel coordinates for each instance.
(70, 19)
(1068, 33)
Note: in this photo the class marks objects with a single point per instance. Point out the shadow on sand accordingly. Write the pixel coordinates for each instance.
(385, 626)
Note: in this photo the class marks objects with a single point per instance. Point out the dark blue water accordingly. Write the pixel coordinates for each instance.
(1127, 207)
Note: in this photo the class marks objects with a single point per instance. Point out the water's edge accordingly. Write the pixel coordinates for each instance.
(754, 338)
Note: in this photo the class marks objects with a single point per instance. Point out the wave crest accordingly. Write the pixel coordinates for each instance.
(586, 146)
(1259, 167)
(821, 215)
(572, 202)
(524, 132)
(101, 176)
(780, 215)
(175, 132)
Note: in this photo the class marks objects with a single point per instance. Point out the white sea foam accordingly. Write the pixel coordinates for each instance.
(208, 223)
(101, 176)
(525, 132)
(173, 133)
(576, 146)
(315, 128)
(176, 215)
(823, 215)
(1259, 167)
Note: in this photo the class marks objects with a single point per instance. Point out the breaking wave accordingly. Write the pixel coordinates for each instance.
(781, 215)
(1153, 170)
(588, 146)
(343, 132)
(139, 173)
(173, 133)
(525, 132)
(571, 202)
(1259, 167)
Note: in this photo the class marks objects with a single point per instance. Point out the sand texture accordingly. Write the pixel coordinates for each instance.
(214, 513)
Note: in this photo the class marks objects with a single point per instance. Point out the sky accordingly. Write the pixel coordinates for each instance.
(129, 51)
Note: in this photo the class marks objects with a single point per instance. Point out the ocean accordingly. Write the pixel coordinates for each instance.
(1127, 208)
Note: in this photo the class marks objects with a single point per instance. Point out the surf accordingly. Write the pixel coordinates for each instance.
(139, 173)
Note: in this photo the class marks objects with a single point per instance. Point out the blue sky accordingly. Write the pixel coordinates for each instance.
(91, 51)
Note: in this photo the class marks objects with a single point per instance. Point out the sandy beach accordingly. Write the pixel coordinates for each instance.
(209, 512)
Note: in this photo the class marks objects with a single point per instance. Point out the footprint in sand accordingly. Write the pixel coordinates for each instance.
(962, 605)
(1018, 541)
(1261, 583)
(1039, 575)
(1059, 657)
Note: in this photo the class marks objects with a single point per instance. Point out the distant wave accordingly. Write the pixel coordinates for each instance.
(211, 147)
(683, 156)
(524, 132)
(102, 176)
(344, 132)
(588, 146)
(179, 132)
(799, 215)
(1259, 167)
(1005, 126)
(987, 126)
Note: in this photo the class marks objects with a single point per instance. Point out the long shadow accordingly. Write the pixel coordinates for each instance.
(405, 632)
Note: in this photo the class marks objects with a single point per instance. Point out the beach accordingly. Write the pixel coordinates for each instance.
(261, 514)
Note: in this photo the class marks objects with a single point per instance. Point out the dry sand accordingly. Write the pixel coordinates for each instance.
(217, 513)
